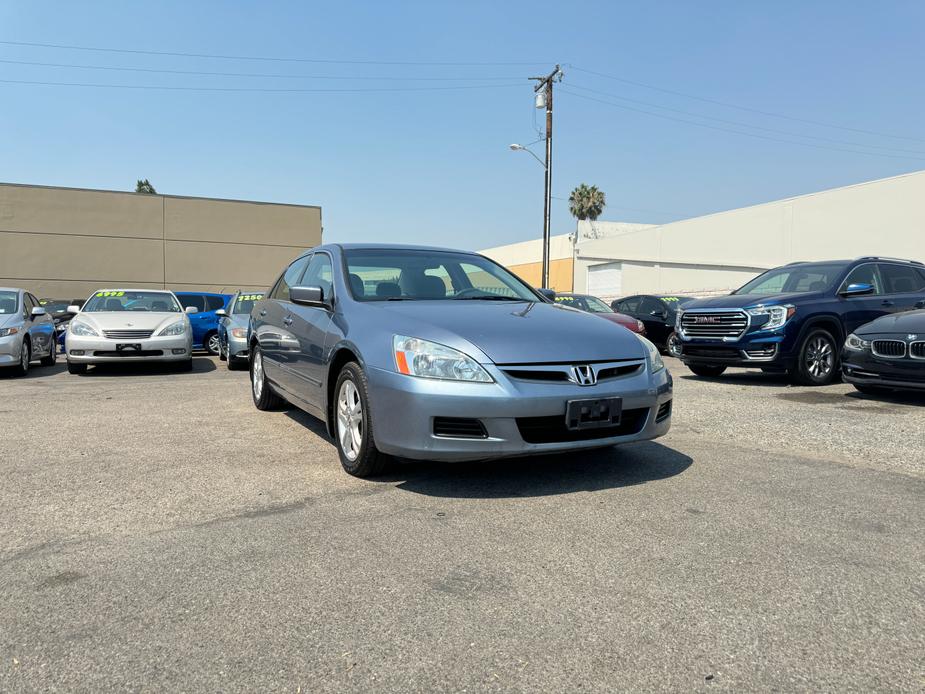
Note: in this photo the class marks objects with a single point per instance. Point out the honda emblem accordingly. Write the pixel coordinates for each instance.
(583, 375)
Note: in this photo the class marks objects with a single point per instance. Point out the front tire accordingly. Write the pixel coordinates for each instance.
(73, 368)
(25, 358)
(221, 353)
(353, 430)
(707, 370)
(263, 395)
(210, 343)
(673, 345)
(817, 364)
(52, 357)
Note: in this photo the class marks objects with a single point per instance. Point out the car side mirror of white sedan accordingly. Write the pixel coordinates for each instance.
(192, 309)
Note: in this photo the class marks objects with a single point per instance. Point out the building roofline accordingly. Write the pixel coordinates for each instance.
(156, 195)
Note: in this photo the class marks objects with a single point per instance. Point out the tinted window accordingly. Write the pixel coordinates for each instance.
(864, 274)
(28, 304)
(595, 305)
(648, 305)
(806, 277)
(56, 305)
(196, 301)
(214, 303)
(630, 305)
(291, 278)
(320, 273)
(901, 279)
(573, 301)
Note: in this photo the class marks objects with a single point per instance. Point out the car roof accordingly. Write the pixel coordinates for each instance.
(11, 289)
(131, 289)
(385, 247)
(187, 293)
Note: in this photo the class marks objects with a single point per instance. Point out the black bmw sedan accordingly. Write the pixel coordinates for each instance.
(887, 354)
(658, 314)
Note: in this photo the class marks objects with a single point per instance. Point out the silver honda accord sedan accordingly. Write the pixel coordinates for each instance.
(427, 353)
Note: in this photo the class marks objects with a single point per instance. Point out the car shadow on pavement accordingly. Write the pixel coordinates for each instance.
(896, 397)
(547, 475)
(200, 365)
(743, 378)
(35, 371)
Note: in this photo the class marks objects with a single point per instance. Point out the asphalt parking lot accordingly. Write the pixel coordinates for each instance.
(160, 533)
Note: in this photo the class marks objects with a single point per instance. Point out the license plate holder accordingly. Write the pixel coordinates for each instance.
(128, 347)
(593, 414)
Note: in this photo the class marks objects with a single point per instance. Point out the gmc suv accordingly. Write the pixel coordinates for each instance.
(795, 318)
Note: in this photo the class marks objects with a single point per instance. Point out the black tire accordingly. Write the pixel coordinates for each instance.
(221, 353)
(52, 357)
(673, 345)
(73, 368)
(707, 370)
(817, 360)
(236, 364)
(871, 390)
(263, 395)
(363, 459)
(25, 358)
(210, 343)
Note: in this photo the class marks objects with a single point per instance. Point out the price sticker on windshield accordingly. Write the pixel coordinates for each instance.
(108, 294)
(250, 297)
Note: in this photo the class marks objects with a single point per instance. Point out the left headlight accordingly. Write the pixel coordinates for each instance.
(239, 333)
(777, 315)
(81, 329)
(652, 356)
(6, 332)
(857, 344)
(416, 357)
(177, 328)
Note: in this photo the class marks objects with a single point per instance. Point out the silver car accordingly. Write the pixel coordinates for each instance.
(129, 325)
(445, 355)
(27, 332)
(232, 328)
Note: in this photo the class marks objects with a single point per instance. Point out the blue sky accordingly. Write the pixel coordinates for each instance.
(433, 166)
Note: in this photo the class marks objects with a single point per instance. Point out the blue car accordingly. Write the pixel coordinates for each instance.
(794, 319)
(204, 321)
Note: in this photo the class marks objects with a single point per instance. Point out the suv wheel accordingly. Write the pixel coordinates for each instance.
(264, 397)
(211, 343)
(673, 345)
(708, 370)
(353, 432)
(817, 364)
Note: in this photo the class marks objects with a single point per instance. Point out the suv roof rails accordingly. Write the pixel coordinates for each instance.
(885, 257)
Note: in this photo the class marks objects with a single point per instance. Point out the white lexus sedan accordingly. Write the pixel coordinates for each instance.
(129, 325)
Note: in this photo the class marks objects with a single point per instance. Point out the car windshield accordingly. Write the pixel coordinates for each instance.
(118, 300)
(806, 277)
(9, 302)
(55, 305)
(411, 274)
(245, 302)
(595, 305)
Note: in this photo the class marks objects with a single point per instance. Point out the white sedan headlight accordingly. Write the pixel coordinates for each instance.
(82, 329)
(652, 356)
(856, 344)
(177, 328)
(777, 315)
(416, 357)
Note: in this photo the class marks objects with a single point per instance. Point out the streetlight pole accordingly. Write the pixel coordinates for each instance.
(544, 84)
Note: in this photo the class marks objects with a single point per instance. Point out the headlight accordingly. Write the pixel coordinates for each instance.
(416, 357)
(856, 344)
(6, 332)
(81, 329)
(177, 328)
(777, 315)
(239, 333)
(653, 357)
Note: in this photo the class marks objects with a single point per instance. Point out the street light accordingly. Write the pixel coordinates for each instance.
(521, 148)
(544, 273)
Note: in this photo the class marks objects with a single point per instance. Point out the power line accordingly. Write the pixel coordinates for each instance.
(741, 124)
(744, 108)
(738, 132)
(251, 74)
(102, 49)
(257, 89)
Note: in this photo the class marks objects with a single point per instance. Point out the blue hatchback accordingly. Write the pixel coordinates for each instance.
(204, 321)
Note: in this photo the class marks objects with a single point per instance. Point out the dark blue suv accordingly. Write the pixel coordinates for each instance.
(795, 318)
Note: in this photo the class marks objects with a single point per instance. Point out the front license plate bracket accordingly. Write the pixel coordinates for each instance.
(128, 347)
(593, 414)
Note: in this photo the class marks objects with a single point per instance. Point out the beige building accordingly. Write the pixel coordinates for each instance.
(67, 242)
(716, 253)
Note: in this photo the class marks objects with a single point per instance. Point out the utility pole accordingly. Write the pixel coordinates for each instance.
(543, 91)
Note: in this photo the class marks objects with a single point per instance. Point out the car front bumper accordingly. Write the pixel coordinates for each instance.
(511, 411)
(863, 368)
(10, 349)
(764, 352)
(101, 350)
(237, 347)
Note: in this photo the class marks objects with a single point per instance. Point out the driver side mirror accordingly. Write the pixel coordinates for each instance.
(549, 294)
(221, 312)
(38, 311)
(658, 313)
(191, 309)
(307, 296)
(858, 289)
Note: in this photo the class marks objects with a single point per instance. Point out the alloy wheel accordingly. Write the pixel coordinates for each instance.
(820, 357)
(350, 420)
(674, 345)
(25, 357)
(257, 375)
(213, 344)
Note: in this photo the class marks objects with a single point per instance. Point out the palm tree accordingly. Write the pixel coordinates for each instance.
(586, 202)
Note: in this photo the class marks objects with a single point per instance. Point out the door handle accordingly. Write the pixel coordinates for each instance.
(287, 321)
(887, 302)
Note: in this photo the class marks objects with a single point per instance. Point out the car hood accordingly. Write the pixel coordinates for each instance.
(905, 323)
(514, 333)
(748, 300)
(129, 320)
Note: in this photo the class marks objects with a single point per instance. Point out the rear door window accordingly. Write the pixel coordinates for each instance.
(192, 301)
(901, 279)
(630, 305)
(650, 307)
(214, 303)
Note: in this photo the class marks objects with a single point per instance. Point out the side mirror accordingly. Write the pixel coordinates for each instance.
(221, 312)
(192, 309)
(38, 311)
(658, 314)
(547, 293)
(307, 296)
(73, 308)
(858, 289)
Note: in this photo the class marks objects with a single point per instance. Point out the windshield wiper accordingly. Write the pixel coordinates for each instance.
(488, 297)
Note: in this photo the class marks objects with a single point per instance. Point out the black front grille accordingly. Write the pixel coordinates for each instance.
(664, 411)
(553, 429)
(714, 325)
(617, 371)
(538, 375)
(917, 350)
(889, 348)
(711, 352)
(459, 428)
(129, 353)
(128, 334)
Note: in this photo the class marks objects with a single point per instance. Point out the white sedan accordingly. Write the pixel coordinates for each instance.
(129, 325)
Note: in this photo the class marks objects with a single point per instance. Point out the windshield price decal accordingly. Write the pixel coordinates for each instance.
(110, 294)
(670, 298)
(250, 297)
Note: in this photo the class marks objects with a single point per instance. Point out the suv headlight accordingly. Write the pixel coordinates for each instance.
(856, 344)
(177, 328)
(416, 357)
(652, 356)
(777, 315)
(82, 329)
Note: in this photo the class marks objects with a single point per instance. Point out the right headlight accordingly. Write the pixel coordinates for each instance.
(856, 344)
(653, 357)
(82, 329)
(177, 328)
(417, 357)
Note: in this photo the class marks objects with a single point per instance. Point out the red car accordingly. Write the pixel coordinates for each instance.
(591, 304)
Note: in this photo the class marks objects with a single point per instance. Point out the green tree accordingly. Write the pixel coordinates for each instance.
(586, 202)
(144, 186)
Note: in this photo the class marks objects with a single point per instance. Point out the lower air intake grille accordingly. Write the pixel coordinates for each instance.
(664, 411)
(553, 429)
(459, 428)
